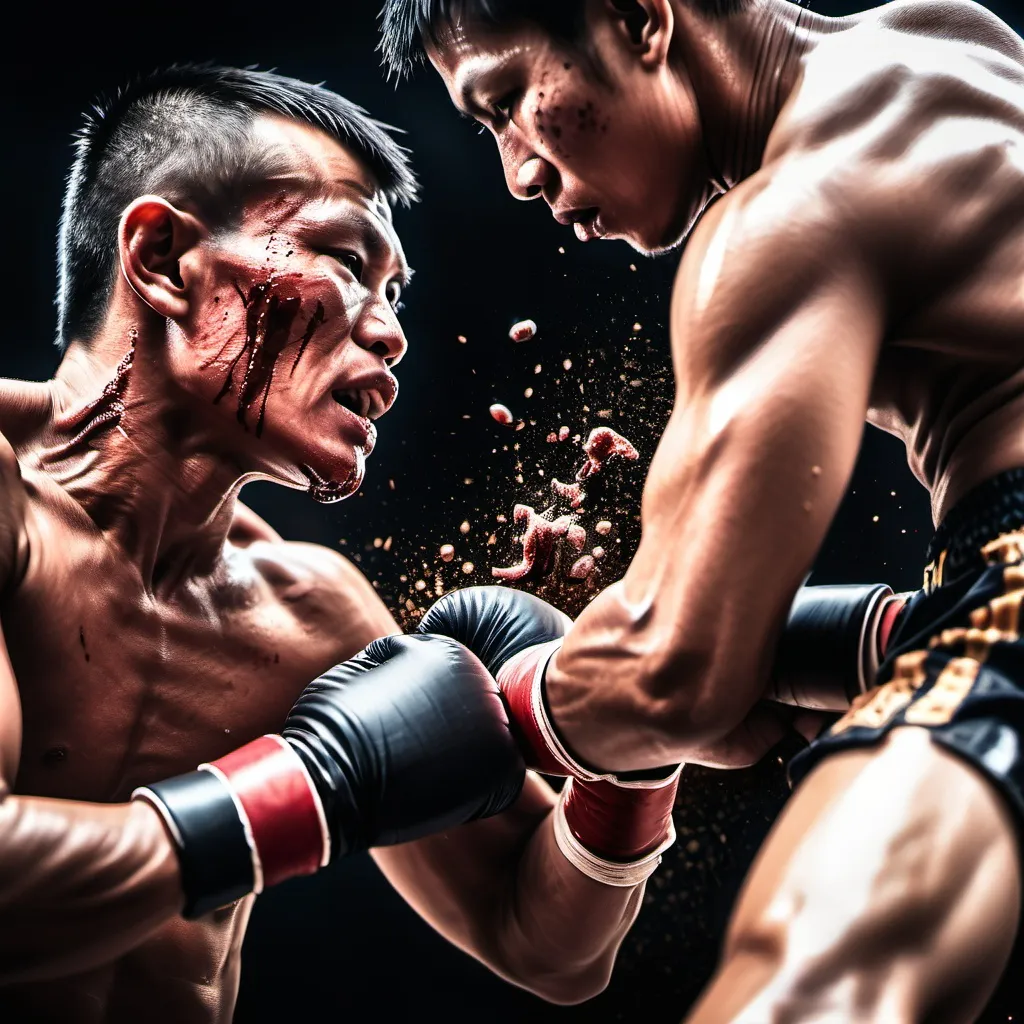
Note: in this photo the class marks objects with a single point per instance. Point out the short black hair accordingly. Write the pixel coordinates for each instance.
(405, 24)
(185, 133)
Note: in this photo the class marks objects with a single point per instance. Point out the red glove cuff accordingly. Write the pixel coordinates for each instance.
(279, 807)
(521, 681)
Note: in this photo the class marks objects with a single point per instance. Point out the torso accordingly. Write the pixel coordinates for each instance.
(922, 107)
(120, 688)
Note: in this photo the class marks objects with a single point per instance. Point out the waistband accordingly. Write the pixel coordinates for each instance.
(992, 509)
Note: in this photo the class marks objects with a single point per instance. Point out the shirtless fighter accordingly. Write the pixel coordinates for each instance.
(851, 194)
(229, 278)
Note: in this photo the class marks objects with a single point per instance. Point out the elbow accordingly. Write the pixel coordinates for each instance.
(567, 986)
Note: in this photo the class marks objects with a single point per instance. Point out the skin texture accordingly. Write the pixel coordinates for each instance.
(861, 262)
(151, 622)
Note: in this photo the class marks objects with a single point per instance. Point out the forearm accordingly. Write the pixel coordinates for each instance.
(698, 706)
(560, 931)
(80, 884)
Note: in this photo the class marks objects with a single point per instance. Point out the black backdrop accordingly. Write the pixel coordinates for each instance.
(344, 944)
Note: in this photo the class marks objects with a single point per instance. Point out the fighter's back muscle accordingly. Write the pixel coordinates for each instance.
(912, 124)
(119, 687)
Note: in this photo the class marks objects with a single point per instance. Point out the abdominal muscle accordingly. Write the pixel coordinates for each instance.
(187, 973)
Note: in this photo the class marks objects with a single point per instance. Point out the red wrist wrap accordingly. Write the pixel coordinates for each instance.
(276, 798)
(617, 823)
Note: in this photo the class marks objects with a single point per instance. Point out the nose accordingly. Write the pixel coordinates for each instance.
(377, 330)
(526, 173)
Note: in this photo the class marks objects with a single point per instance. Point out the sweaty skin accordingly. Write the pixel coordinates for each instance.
(861, 262)
(150, 622)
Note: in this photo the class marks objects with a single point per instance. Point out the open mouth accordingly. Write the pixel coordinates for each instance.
(587, 224)
(369, 404)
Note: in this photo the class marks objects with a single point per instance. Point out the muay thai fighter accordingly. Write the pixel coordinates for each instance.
(229, 276)
(851, 194)
(229, 283)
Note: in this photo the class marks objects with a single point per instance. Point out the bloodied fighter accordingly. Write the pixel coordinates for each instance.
(850, 192)
(229, 283)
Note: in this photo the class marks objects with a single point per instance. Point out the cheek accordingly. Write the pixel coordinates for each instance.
(262, 328)
(567, 114)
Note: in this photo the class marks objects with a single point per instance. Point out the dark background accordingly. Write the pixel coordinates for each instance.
(344, 944)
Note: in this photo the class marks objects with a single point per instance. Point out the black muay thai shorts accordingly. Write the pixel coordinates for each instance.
(955, 663)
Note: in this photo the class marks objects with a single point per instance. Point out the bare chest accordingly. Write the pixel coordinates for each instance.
(119, 688)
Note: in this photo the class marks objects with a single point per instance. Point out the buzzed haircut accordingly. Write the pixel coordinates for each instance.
(405, 24)
(186, 134)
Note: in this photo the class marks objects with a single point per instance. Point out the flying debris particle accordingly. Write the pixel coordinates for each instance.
(637, 328)
(561, 249)
(468, 567)
(462, 339)
(501, 518)
(468, 481)
(522, 331)
(501, 414)
(604, 527)
(563, 433)
(604, 414)
(537, 368)
(391, 484)
(528, 393)
(604, 444)
(582, 568)
(566, 364)
(464, 528)
(552, 438)
(387, 543)
(378, 542)
(420, 584)
(572, 493)
(598, 553)
(540, 544)
(874, 519)
(447, 552)
(576, 536)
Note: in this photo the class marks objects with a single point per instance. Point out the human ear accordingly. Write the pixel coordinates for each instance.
(645, 26)
(153, 235)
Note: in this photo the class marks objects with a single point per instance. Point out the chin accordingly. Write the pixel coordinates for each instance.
(332, 480)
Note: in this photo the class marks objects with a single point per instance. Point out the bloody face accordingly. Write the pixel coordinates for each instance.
(292, 329)
(615, 152)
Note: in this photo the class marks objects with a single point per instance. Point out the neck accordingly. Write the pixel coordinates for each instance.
(744, 68)
(154, 478)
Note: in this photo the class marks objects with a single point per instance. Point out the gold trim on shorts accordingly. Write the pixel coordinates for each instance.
(999, 621)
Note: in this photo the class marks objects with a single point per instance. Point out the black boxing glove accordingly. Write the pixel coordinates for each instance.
(408, 738)
(834, 641)
(611, 828)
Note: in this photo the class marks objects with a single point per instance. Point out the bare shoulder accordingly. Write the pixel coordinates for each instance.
(13, 504)
(322, 587)
(906, 130)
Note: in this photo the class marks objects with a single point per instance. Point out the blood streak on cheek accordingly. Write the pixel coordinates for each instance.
(269, 320)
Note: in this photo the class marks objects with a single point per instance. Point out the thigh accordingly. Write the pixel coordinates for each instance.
(889, 890)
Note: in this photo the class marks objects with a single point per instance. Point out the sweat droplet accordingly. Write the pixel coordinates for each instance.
(522, 331)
